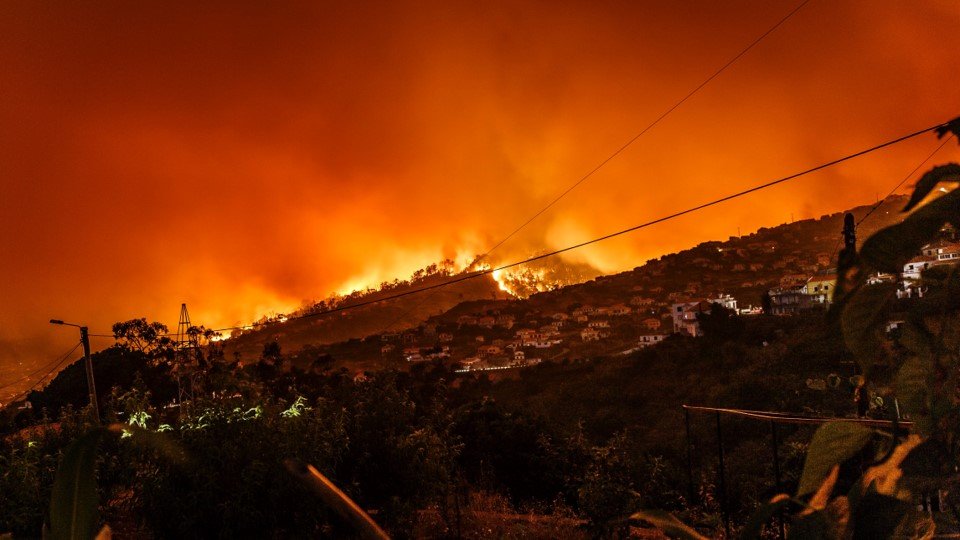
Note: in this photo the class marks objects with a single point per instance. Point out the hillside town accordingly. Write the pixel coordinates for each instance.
(503, 335)
(785, 270)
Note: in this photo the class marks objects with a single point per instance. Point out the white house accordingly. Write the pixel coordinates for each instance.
(652, 338)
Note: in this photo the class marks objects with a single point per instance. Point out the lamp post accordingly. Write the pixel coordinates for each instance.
(87, 362)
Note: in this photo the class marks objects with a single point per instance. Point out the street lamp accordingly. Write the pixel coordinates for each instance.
(88, 364)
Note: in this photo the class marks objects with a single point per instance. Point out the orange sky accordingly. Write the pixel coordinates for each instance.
(243, 157)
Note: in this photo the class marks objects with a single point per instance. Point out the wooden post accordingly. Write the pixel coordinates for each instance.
(776, 474)
(723, 482)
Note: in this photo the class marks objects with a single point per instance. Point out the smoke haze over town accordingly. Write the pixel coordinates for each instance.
(243, 158)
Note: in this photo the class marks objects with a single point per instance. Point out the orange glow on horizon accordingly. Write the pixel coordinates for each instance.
(248, 158)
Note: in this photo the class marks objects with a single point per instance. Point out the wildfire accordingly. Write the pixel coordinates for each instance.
(502, 282)
(526, 282)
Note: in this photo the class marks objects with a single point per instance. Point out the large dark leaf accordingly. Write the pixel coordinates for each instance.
(73, 504)
(879, 516)
(889, 249)
(913, 385)
(927, 466)
(832, 444)
(864, 315)
(941, 173)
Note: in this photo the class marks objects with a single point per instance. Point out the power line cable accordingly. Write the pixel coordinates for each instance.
(487, 271)
(620, 149)
(56, 360)
(662, 219)
(836, 247)
(40, 381)
(648, 128)
(905, 178)
(633, 139)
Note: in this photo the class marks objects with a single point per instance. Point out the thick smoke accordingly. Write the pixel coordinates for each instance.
(243, 157)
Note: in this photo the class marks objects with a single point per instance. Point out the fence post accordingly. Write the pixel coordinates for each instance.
(723, 482)
(690, 492)
(776, 474)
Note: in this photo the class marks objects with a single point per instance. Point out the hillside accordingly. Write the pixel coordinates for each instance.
(633, 303)
(352, 324)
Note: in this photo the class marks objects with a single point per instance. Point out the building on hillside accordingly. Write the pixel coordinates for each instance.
(445, 337)
(685, 314)
(589, 334)
(685, 319)
(489, 350)
(915, 266)
(412, 354)
(726, 301)
(793, 281)
(790, 301)
(470, 363)
(650, 338)
(527, 334)
(619, 310)
(876, 279)
(599, 324)
(651, 323)
(820, 286)
(585, 309)
(934, 254)
(943, 249)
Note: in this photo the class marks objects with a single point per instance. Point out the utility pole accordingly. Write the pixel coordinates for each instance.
(849, 233)
(88, 364)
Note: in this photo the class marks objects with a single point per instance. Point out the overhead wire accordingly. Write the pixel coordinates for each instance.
(650, 126)
(714, 202)
(939, 147)
(56, 360)
(624, 146)
(905, 178)
(620, 149)
(487, 271)
(52, 370)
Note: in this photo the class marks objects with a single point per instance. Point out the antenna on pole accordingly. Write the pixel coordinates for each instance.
(183, 335)
(185, 359)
